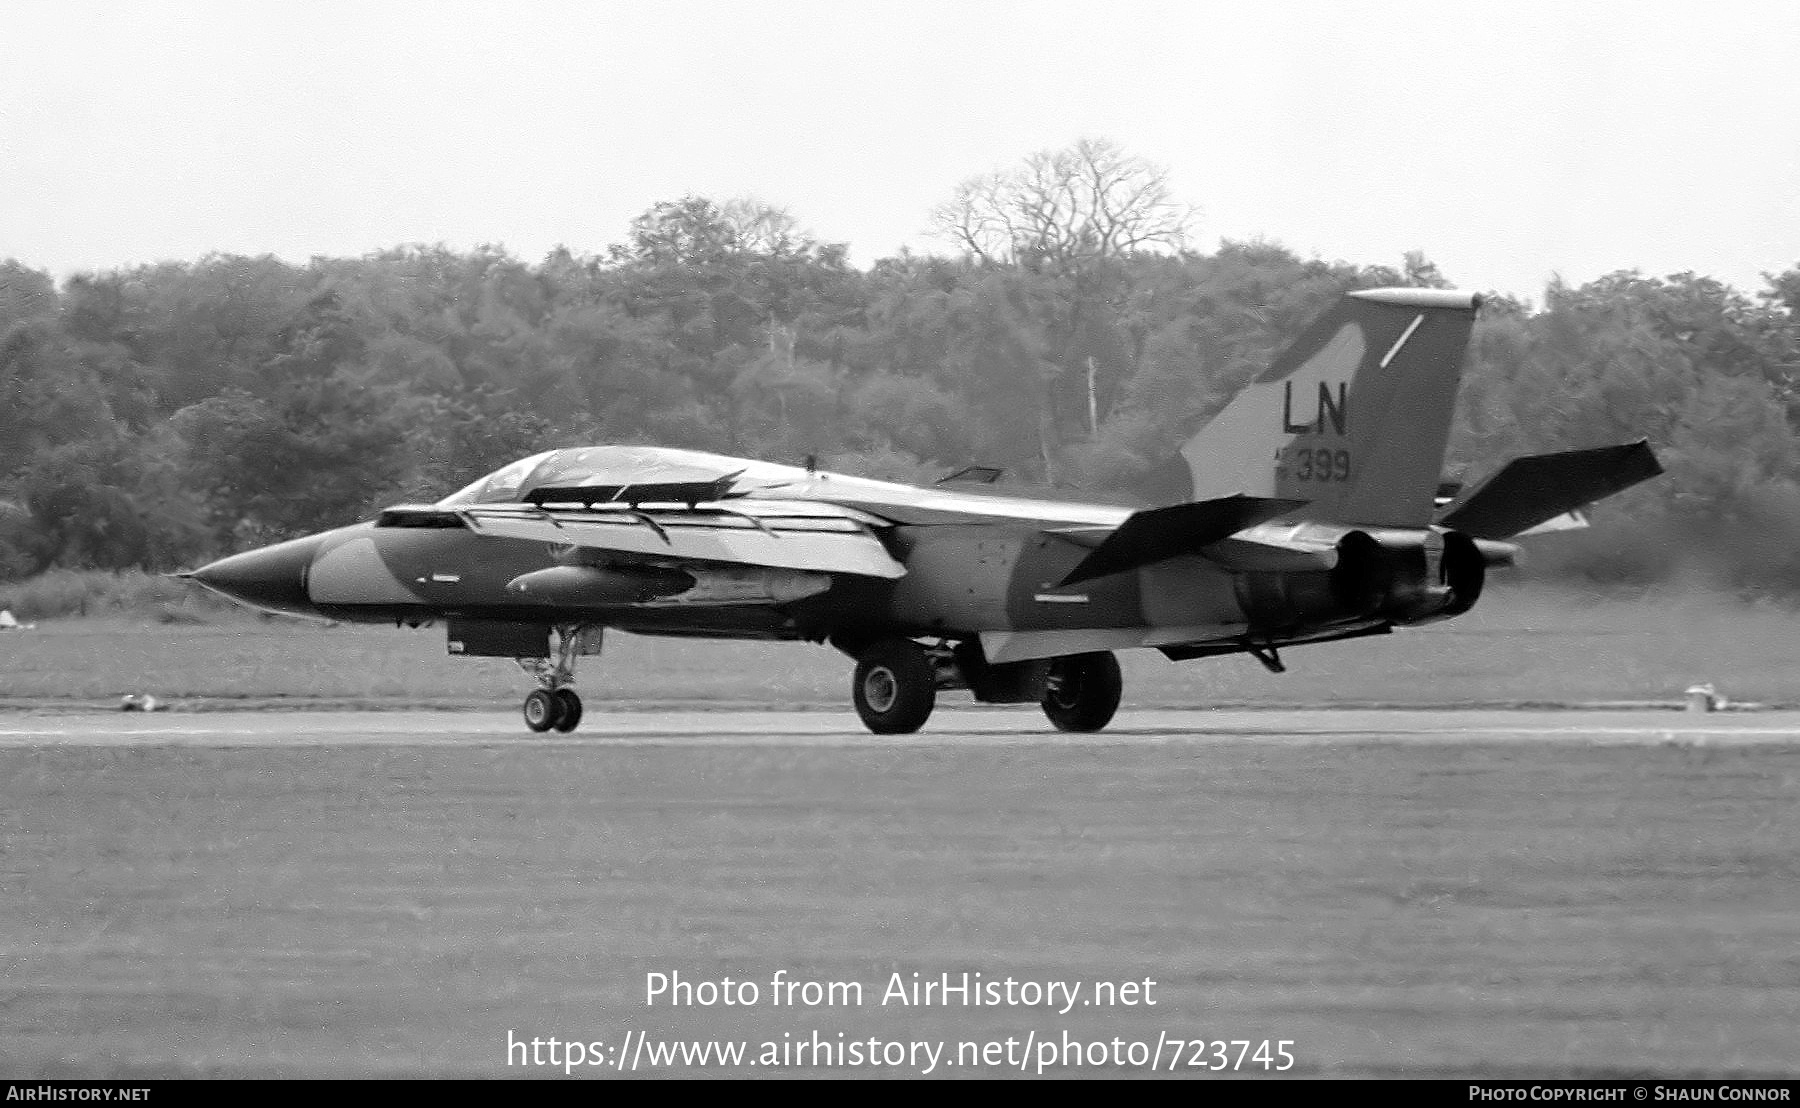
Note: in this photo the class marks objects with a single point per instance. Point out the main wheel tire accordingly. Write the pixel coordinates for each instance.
(895, 687)
(1084, 691)
(542, 710)
(569, 716)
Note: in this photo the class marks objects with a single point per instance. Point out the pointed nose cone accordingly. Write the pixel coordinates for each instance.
(273, 577)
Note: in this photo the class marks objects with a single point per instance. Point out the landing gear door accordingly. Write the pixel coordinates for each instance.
(495, 638)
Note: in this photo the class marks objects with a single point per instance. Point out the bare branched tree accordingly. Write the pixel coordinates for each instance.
(762, 227)
(1088, 201)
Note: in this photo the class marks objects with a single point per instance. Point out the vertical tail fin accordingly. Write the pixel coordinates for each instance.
(1353, 418)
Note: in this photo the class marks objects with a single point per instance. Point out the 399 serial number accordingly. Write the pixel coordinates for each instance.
(1319, 465)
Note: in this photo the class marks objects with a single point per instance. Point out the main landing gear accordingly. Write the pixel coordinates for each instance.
(897, 682)
(1082, 691)
(553, 705)
(895, 687)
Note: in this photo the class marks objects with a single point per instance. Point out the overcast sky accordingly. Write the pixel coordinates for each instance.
(1507, 141)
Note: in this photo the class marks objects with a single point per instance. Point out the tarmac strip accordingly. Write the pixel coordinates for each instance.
(948, 727)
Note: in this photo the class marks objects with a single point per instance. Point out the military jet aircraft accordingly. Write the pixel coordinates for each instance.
(1305, 512)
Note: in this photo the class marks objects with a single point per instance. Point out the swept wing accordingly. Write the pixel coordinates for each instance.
(784, 534)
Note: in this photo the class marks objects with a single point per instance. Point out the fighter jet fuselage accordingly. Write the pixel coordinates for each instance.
(1304, 512)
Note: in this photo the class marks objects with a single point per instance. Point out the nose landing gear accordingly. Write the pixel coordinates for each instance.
(553, 705)
(550, 708)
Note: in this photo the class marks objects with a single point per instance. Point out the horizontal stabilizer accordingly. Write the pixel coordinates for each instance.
(1157, 534)
(1539, 487)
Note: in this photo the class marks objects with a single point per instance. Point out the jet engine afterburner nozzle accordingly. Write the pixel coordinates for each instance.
(1409, 576)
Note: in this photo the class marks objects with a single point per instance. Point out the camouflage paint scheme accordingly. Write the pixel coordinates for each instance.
(1303, 512)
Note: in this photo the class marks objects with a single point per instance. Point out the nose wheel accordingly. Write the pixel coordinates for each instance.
(569, 716)
(553, 705)
(553, 710)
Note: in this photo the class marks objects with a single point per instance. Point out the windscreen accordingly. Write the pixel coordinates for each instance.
(499, 487)
(593, 465)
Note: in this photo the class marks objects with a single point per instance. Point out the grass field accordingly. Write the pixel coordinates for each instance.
(1447, 908)
(1520, 646)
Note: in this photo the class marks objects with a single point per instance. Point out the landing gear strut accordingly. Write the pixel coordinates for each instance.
(553, 704)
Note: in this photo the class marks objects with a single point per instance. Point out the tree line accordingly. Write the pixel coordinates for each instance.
(157, 415)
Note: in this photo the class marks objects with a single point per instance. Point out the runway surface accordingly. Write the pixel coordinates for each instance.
(1412, 893)
(948, 727)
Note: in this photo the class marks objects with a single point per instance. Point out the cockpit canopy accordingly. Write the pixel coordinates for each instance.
(615, 466)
